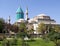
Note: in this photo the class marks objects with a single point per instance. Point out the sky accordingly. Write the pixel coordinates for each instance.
(35, 7)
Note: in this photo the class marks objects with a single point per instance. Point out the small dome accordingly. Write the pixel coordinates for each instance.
(42, 15)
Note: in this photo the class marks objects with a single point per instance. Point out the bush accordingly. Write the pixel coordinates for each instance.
(1, 38)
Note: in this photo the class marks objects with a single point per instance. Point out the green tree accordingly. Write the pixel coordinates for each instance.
(57, 28)
(54, 36)
(41, 28)
(1, 25)
(22, 27)
(22, 33)
(22, 30)
(29, 32)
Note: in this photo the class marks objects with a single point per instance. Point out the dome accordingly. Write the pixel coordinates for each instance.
(42, 15)
(19, 14)
(19, 10)
(20, 20)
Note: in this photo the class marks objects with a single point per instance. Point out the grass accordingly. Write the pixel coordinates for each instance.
(41, 42)
(0, 43)
(34, 42)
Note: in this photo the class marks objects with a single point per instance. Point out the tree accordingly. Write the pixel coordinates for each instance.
(41, 28)
(14, 28)
(22, 33)
(22, 30)
(57, 29)
(53, 35)
(22, 27)
(2, 22)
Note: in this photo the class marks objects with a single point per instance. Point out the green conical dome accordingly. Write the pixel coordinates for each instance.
(19, 10)
(19, 13)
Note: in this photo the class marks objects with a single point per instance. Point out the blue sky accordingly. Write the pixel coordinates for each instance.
(48, 7)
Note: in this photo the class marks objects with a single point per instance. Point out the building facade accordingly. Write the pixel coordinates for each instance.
(41, 18)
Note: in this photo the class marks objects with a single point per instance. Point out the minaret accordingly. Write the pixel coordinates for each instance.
(9, 20)
(27, 14)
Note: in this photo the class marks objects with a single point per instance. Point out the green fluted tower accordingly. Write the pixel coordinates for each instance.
(19, 14)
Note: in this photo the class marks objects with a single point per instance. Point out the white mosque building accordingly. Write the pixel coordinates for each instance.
(41, 18)
(34, 21)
